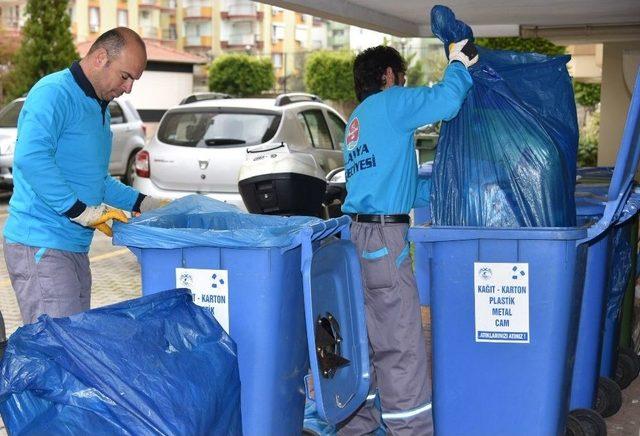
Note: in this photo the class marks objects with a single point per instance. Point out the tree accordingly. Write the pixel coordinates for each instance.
(241, 75)
(329, 75)
(8, 47)
(47, 45)
(588, 146)
(587, 94)
(533, 45)
(416, 75)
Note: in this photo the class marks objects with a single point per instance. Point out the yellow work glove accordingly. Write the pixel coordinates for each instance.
(110, 214)
(97, 217)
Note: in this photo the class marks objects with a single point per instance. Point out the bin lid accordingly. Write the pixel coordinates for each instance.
(336, 328)
(627, 159)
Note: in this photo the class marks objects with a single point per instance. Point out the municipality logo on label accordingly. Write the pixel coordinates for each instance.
(186, 280)
(485, 273)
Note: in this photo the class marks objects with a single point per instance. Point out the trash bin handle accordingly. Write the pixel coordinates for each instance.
(307, 389)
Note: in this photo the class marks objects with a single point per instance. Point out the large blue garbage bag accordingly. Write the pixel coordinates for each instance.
(199, 221)
(154, 365)
(509, 158)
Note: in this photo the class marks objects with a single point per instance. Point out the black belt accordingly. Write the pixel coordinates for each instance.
(382, 219)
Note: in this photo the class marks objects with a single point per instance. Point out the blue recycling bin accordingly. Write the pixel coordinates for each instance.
(422, 215)
(590, 210)
(290, 293)
(622, 269)
(504, 307)
(508, 311)
(606, 193)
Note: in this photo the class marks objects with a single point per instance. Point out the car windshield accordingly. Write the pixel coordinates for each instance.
(213, 129)
(9, 114)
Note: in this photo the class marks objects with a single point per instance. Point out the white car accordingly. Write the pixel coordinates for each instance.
(128, 138)
(200, 147)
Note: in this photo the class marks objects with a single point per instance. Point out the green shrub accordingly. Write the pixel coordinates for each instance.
(241, 75)
(329, 75)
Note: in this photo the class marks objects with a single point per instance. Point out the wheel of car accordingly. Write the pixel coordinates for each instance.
(130, 170)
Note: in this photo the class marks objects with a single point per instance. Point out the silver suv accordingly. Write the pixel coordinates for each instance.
(126, 125)
(200, 147)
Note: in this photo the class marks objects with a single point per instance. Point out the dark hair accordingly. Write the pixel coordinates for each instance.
(369, 67)
(115, 39)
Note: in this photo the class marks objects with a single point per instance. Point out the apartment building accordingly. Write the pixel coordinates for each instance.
(205, 28)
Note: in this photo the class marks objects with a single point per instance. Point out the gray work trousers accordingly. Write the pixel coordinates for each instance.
(399, 367)
(49, 281)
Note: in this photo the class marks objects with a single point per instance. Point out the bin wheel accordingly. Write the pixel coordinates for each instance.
(609, 397)
(574, 428)
(627, 368)
(591, 422)
(307, 432)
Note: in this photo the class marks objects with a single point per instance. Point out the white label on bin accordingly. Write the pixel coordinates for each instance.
(501, 302)
(210, 288)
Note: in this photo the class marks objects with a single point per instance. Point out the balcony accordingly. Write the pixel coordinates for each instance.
(197, 13)
(242, 41)
(168, 5)
(149, 32)
(197, 42)
(10, 23)
(241, 10)
(149, 4)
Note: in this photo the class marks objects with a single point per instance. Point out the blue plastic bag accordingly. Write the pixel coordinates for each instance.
(509, 157)
(154, 365)
(199, 221)
(621, 270)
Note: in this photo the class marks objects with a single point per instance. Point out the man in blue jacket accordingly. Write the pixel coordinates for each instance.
(61, 179)
(382, 174)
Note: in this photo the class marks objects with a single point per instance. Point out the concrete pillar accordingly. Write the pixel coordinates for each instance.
(615, 95)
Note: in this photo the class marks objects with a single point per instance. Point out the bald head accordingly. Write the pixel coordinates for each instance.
(115, 60)
(114, 41)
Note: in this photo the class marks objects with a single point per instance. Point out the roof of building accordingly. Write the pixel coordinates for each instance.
(156, 53)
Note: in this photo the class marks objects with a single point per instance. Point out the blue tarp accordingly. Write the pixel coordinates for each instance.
(199, 221)
(509, 157)
(154, 365)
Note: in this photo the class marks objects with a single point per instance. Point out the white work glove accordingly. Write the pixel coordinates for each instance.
(97, 217)
(149, 203)
(463, 51)
(90, 215)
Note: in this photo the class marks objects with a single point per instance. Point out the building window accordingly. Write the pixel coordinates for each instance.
(301, 34)
(94, 19)
(276, 58)
(123, 18)
(277, 33)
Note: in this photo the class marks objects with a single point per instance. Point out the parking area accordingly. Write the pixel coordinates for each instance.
(116, 277)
